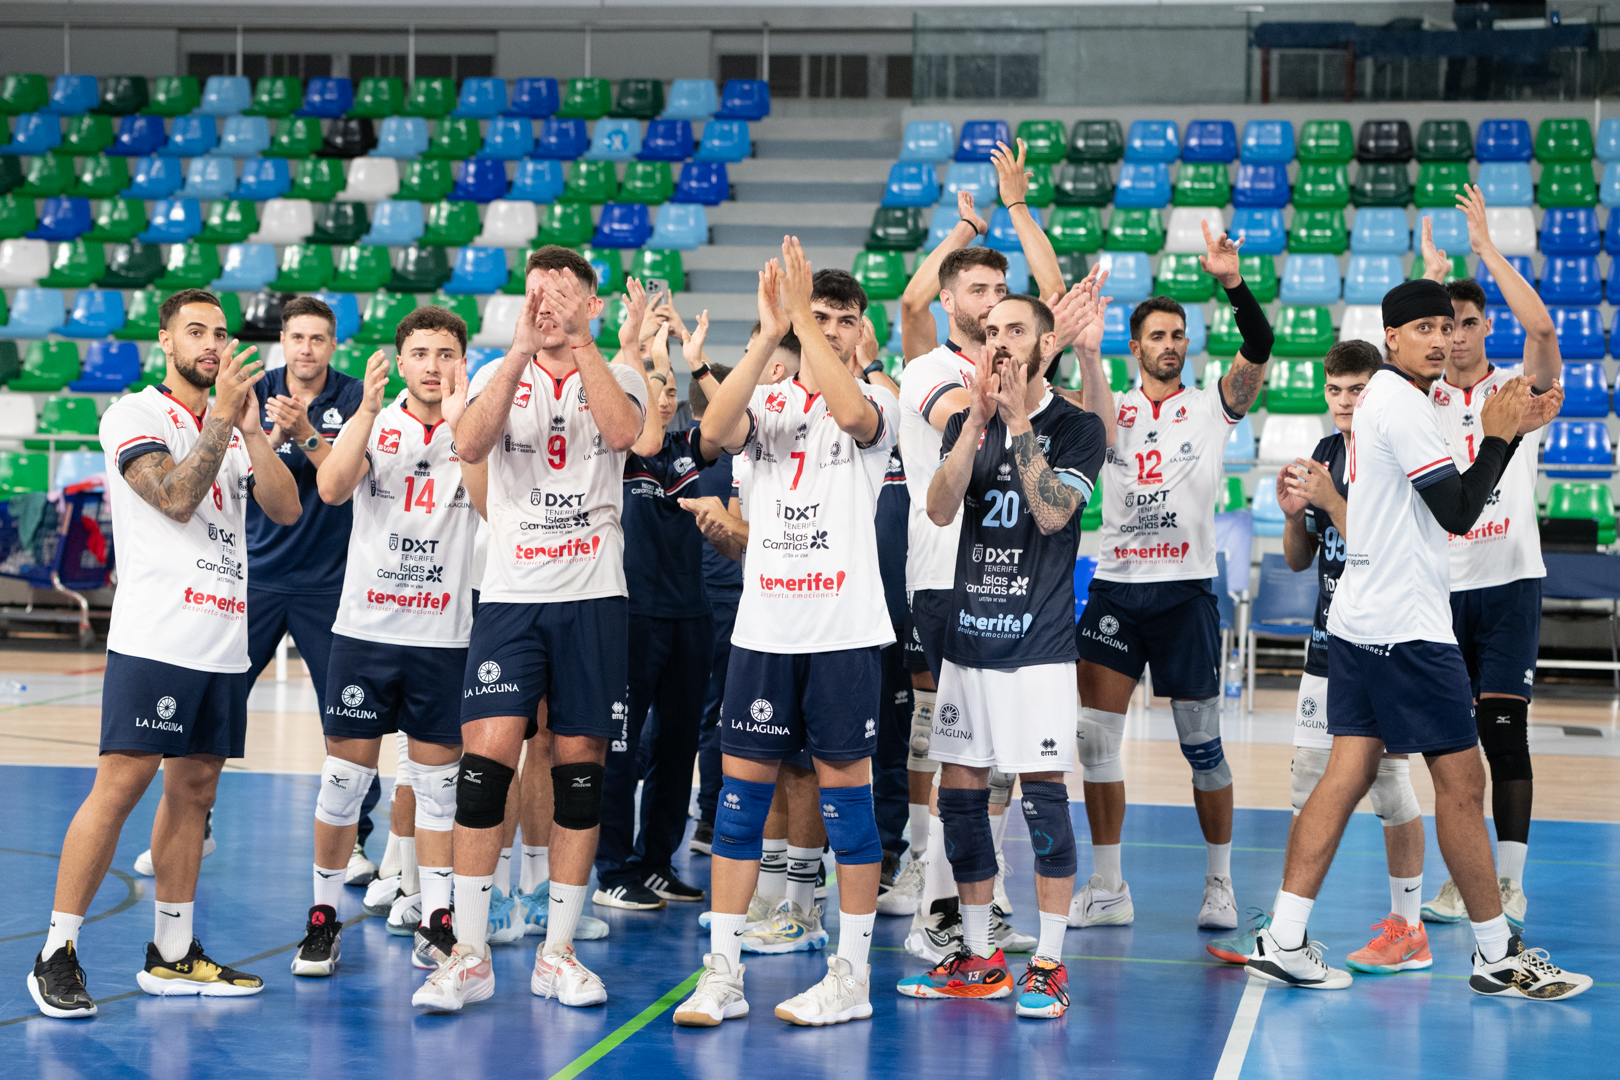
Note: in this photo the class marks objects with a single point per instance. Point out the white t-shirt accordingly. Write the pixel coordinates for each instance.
(930, 548)
(182, 588)
(1505, 543)
(1162, 473)
(555, 494)
(811, 582)
(409, 576)
(1397, 570)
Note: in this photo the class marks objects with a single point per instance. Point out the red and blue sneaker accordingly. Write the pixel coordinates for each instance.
(1046, 990)
(962, 975)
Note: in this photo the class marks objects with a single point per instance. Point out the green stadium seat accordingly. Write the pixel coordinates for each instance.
(898, 228)
(1073, 265)
(607, 334)
(141, 319)
(586, 99)
(517, 279)
(78, 264)
(609, 264)
(1566, 183)
(881, 273)
(1118, 370)
(67, 414)
(464, 305)
(1083, 183)
(304, 268)
(351, 357)
(1091, 516)
(47, 175)
(1203, 184)
(382, 317)
(1440, 182)
(295, 137)
(132, 265)
(592, 182)
(451, 224)
(566, 224)
(361, 268)
(649, 263)
(878, 316)
(1319, 232)
(1045, 140)
(431, 98)
(21, 473)
(276, 95)
(17, 216)
(1296, 386)
(1075, 228)
(174, 95)
(1584, 501)
(47, 367)
(454, 138)
(1041, 190)
(1323, 185)
(11, 173)
(190, 266)
(639, 99)
(85, 136)
(1326, 142)
(10, 361)
(1564, 140)
(23, 93)
(425, 180)
(154, 366)
(1224, 339)
(317, 179)
(1382, 183)
(1260, 275)
(231, 305)
(1444, 140)
(420, 269)
(122, 95)
(100, 177)
(649, 182)
(1217, 369)
(1459, 268)
(230, 221)
(1231, 497)
(340, 223)
(375, 99)
(1181, 278)
(1303, 331)
(1135, 229)
(1097, 140)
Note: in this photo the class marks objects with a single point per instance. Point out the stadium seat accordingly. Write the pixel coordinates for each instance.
(1224, 339)
(1506, 339)
(77, 264)
(1584, 501)
(23, 93)
(100, 177)
(328, 98)
(1185, 234)
(1504, 140)
(372, 179)
(132, 265)
(1116, 339)
(275, 96)
(691, 99)
(481, 99)
(648, 182)
(615, 140)
(609, 266)
(593, 182)
(1153, 141)
(1197, 332)
(1261, 228)
(1487, 281)
(226, 95)
(509, 138)
(1439, 183)
(928, 140)
(1322, 185)
(586, 99)
(1564, 140)
(261, 317)
(650, 264)
(533, 98)
(402, 137)
(463, 304)
(285, 221)
(23, 262)
(1072, 228)
(72, 95)
(109, 366)
(569, 224)
(62, 218)
(1513, 229)
(1364, 322)
(431, 98)
(83, 136)
(1182, 278)
(244, 136)
(882, 274)
(978, 178)
(1381, 184)
(1384, 140)
(1296, 386)
(1261, 185)
(1142, 184)
(304, 268)
(668, 140)
(262, 179)
(623, 225)
(1018, 278)
(141, 317)
(419, 269)
(347, 311)
(1506, 183)
(702, 182)
(1571, 279)
(1202, 184)
(1580, 332)
(540, 181)
(1286, 437)
(348, 138)
(639, 99)
(190, 136)
(723, 140)
(1097, 141)
(454, 139)
(479, 180)
(1310, 279)
(1577, 442)
(1128, 230)
(499, 322)
(138, 136)
(1130, 276)
(361, 268)
(1210, 141)
(450, 224)
(190, 266)
(1380, 231)
(1571, 231)
(317, 179)
(116, 219)
(1240, 447)
(173, 221)
(508, 224)
(35, 313)
(478, 270)
(1268, 142)
(50, 175)
(1586, 390)
(426, 180)
(1457, 271)
(1083, 183)
(296, 137)
(17, 216)
(745, 99)
(1044, 140)
(1004, 237)
(378, 98)
(1318, 232)
(36, 133)
(1302, 330)
(1369, 277)
(1449, 227)
(1607, 147)
(1566, 184)
(1609, 186)
(979, 138)
(209, 178)
(47, 367)
(1444, 140)
(563, 138)
(340, 223)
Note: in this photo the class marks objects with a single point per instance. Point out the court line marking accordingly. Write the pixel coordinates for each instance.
(627, 1029)
(1230, 1066)
(132, 895)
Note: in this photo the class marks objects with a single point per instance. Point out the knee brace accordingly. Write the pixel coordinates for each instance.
(576, 795)
(1504, 734)
(922, 733)
(1303, 775)
(343, 788)
(964, 814)
(1393, 799)
(481, 788)
(435, 795)
(851, 825)
(1001, 785)
(1051, 830)
(739, 818)
(404, 775)
(1198, 726)
(1100, 734)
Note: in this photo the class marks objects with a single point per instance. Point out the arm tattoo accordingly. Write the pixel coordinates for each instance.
(1247, 379)
(176, 490)
(1051, 501)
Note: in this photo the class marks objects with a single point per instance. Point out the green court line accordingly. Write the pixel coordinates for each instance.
(627, 1029)
(48, 701)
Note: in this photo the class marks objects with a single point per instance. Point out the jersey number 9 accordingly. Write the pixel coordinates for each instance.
(557, 451)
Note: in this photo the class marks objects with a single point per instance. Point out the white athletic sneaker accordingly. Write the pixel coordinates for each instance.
(143, 861)
(999, 895)
(1096, 906)
(1513, 903)
(1301, 966)
(1219, 911)
(463, 978)
(838, 998)
(903, 897)
(559, 974)
(719, 995)
(1004, 937)
(362, 871)
(759, 909)
(505, 920)
(1526, 973)
(937, 932)
(788, 929)
(405, 915)
(380, 895)
(1448, 907)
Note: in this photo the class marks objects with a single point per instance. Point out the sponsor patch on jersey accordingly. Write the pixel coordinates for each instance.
(520, 398)
(388, 441)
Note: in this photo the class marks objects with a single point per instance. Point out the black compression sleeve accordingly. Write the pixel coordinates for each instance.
(1456, 501)
(1251, 323)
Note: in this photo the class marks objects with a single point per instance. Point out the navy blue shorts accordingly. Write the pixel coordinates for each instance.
(574, 652)
(930, 625)
(777, 705)
(1498, 630)
(1174, 627)
(1413, 695)
(374, 688)
(155, 708)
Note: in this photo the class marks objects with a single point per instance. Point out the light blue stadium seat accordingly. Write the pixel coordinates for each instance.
(535, 98)
(1611, 289)
(979, 138)
(1506, 183)
(1130, 275)
(911, 183)
(395, 223)
(563, 138)
(1142, 184)
(244, 136)
(96, 314)
(1487, 280)
(1310, 279)
(1580, 332)
(247, 268)
(680, 227)
(1609, 189)
(1152, 141)
(108, 367)
(62, 217)
(346, 307)
(1571, 231)
(1268, 142)
(509, 138)
(745, 99)
(1003, 237)
(139, 136)
(1269, 519)
(263, 179)
(928, 140)
(1369, 277)
(173, 221)
(190, 136)
(1197, 331)
(73, 95)
(1261, 185)
(1577, 442)
(1263, 230)
(479, 180)
(481, 99)
(36, 134)
(623, 225)
(155, 178)
(1506, 339)
(978, 178)
(402, 137)
(226, 95)
(615, 140)
(942, 326)
(1380, 230)
(667, 140)
(538, 180)
(328, 98)
(1504, 140)
(941, 221)
(35, 313)
(702, 182)
(1018, 280)
(1448, 225)
(1586, 390)
(478, 270)
(1116, 339)
(1240, 446)
(1210, 140)
(724, 140)
(1607, 145)
(691, 99)
(210, 177)
(1571, 279)
(477, 358)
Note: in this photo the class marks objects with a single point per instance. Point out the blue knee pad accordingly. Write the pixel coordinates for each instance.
(739, 820)
(1051, 830)
(851, 825)
(964, 814)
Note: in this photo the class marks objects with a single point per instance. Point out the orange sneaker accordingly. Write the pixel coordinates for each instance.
(1398, 947)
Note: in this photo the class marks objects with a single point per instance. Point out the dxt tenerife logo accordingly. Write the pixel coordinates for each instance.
(353, 695)
(488, 671)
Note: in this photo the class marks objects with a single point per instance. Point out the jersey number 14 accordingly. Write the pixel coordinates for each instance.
(419, 500)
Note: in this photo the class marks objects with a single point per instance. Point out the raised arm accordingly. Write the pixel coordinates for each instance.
(1242, 385)
(651, 439)
(342, 470)
(616, 414)
(917, 332)
(850, 409)
(480, 425)
(1051, 501)
(1079, 314)
(725, 421)
(1038, 250)
(1543, 364)
(274, 488)
(949, 486)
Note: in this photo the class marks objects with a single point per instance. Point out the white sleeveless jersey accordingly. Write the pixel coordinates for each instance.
(1396, 584)
(408, 580)
(1505, 543)
(1159, 483)
(930, 548)
(182, 588)
(811, 582)
(555, 493)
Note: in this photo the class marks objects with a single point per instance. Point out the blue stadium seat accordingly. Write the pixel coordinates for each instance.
(1116, 339)
(538, 180)
(1608, 140)
(481, 99)
(62, 217)
(509, 138)
(1310, 279)
(155, 178)
(395, 223)
(534, 98)
(263, 179)
(35, 313)
(1003, 237)
(979, 137)
(1448, 225)
(1369, 277)
(1506, 339)
(479, 270)
(477, 358)
(139, 136)
(1263, 230)
(247, 268)
(616, 140)
(73, 95)
(1487, 280)
(402, 137)
(1261, 185)
(563, 138)
(1612, 288)
(1571, 231)
(667, 140)
(190, 136)
(77, 466)
(1197, 331)
(1580, 332)
(173, 221)
(680, 227)
(108, 367)
(1143, 184)
(724, 140)
(1268, 142)
(245, 136)
(928, 140)
(1577, 442)
(702, 182)
(691, 99)
(940, 223)
(37, 133)
(978, 178)
(745, 99)
(1611, 235)
(1506, 183)
(1210, 140)
(1571, 279)
(328, 98)
(1380, 230)
(479, 180)
(346, 306)
(1152, 140)
(226, 95)
(1269, 519)
(1609, 189)
(1504, 140)
(623, 225)
(1586, 391)
(1240, 446)
(96, 314)
(210, 177)
(1130, 276)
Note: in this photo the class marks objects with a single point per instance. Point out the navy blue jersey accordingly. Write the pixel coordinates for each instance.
(663, 549)
(1330, 558)
(893, 513)
(722, 575)
(1014, 595)
(308, 555)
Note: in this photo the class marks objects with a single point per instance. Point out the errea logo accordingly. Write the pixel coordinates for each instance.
(488, 671)
(828, 810)
(732, 802)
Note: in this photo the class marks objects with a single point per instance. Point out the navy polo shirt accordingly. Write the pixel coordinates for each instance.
(892, 520)
(309, 555)
(663, 549)
(723, 576)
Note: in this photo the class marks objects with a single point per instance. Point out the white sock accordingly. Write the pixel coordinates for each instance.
(937, 880)
(976, 929)
(802, 863)
(437, 887)
(772, 884)
(567, 903)
(1492, 937)
(725, 936)
(328, 885)
(1289, 915)
(536, 868)
(1220, 859)
(855, 939)
(1406, 898)
(1105, 859)
(503, 872)
(1053, 928)
(472, 896)
(390, 860)
(919, 831)
(172, 928)
(410, 881)
(64, 928)
(1510, 860)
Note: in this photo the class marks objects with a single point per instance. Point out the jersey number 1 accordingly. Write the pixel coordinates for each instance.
(423, 499)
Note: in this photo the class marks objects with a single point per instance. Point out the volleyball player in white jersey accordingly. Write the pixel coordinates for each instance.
(1496, 568)
(1396, 679)
(1151, 601)
(400, 641)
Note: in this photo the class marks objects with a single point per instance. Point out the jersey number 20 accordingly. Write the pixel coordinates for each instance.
(1003, 512)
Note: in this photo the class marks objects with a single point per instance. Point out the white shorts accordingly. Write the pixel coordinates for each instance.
(1310, 714)
(1018, 721)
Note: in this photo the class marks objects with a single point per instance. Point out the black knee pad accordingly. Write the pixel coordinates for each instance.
(576, 795)
(481, 787)
(1504, 734)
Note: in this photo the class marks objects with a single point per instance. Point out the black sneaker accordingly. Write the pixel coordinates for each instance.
(702, 842)
(631, 896)
(317, 954)
(194, 975)
(57, 985)
(434, 940)
(891, 868)
(821, 879)
(666, 885)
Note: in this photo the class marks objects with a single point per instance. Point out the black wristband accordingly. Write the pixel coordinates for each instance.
(1020, 202)
(874, 366)
(1251, 323)
(700, 372)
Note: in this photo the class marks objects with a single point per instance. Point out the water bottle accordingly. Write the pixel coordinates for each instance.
(1233, 681)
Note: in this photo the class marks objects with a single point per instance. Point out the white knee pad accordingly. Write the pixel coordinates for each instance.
(922, 733)
(1100, 734)
(1198, 726)
(435, 795)
(1001, 785)
(343, 789)
(1309, 764)
(1393, 799)
(402, 774)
